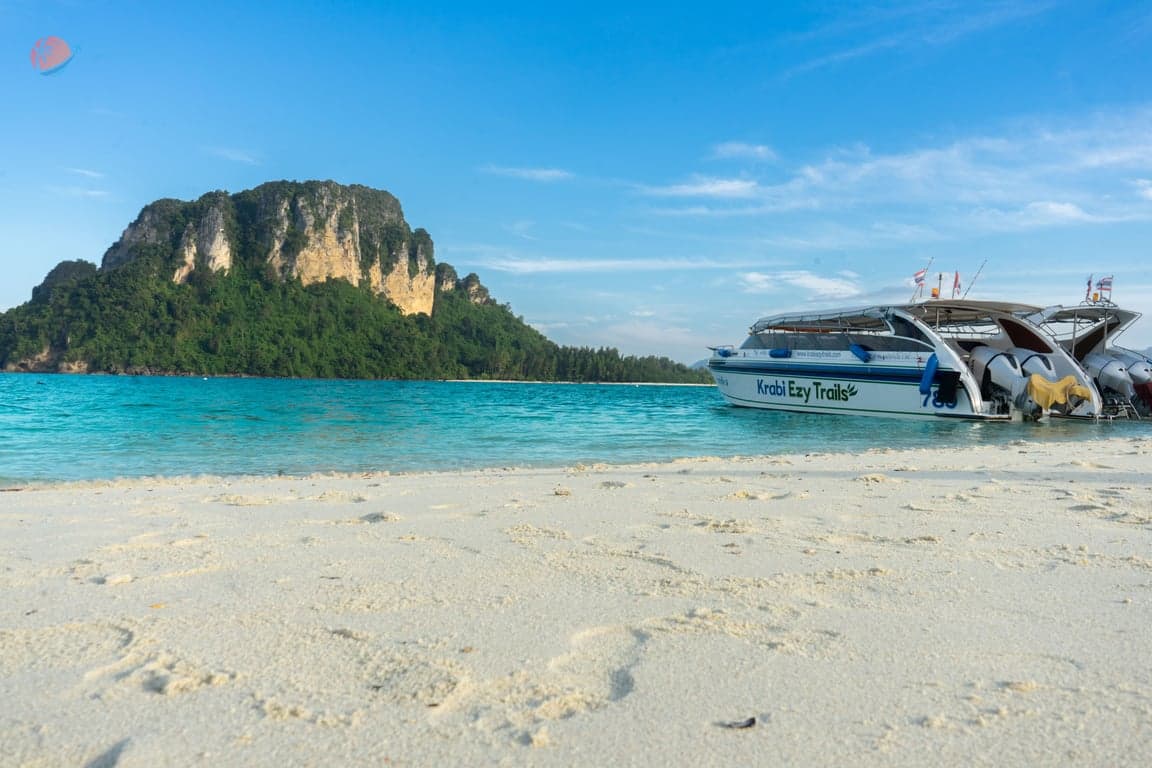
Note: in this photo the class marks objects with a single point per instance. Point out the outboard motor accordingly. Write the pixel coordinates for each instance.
(1139, 367)
(1140, 371)
(1110, 373)
(997, 366)
(997, 369)
(1032, 362)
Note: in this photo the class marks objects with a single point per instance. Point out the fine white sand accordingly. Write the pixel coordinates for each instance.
(990, 606)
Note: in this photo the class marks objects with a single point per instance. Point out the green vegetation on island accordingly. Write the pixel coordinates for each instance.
(130, 320)
(217, 287)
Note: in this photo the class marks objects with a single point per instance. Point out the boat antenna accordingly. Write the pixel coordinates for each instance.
(972, 282)
(919, 289)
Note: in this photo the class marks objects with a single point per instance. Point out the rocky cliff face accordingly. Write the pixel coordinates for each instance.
(205, 244)
(313, 231)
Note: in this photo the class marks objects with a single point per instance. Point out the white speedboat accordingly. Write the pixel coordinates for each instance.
(953, 359)
(1087, 331)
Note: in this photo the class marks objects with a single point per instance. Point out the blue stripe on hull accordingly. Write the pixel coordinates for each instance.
(837, 372)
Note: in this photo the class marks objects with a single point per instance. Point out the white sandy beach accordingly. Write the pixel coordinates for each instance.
(990, 606)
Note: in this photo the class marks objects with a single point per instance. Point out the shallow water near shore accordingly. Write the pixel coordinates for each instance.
(64, 427)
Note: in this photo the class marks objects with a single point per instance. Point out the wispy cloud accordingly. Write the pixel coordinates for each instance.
(85, 173)
(703, 186)
(529, 174)
(879, 28)
(814, 286)
(235, 155)
(521, 229)
(739, 150)
(1095, 169)
(530, 265)
(840, 56)
(1041, 214)
(829, 236)
(771, 204)
(960, 19)
(75, 191)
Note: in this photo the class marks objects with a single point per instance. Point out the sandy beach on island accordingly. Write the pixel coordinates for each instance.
(985, 606)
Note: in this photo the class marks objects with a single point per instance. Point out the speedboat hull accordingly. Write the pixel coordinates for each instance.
(842, 385)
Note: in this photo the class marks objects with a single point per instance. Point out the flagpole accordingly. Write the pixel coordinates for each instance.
(972, 282)
(919, 289)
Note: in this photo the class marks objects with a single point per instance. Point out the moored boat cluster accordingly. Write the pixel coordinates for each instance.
(953, 358)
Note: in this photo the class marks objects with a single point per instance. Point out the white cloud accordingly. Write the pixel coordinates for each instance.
(776, 205)
(1034, 174)
(759, 282)
(85, 173)
(813, 286)
(529, 174)
(74, 191)
(739, 150)
(879, 28)
(821, 287)
(703, 186)
(1046, 211)
(235, 155)
(525, 265)
(521, 229)
(846, 54)
(1035, 215)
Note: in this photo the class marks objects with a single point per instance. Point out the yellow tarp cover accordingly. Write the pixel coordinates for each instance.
(1046, 393)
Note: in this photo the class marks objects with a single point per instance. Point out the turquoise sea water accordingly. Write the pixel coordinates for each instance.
(68, 427)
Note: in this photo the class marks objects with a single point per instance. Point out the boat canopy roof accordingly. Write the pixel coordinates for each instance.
(874, 319)
(1083, 314)
(1085, 326)
(966, 310)
(861, 318)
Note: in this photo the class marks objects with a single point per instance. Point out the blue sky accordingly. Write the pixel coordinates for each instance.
(642, 176)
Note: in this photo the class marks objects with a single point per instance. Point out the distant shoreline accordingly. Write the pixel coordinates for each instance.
(161, 375)
(597, 383)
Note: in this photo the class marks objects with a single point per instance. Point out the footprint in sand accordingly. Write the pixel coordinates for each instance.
(595, 672)
(1088, 464)
(30, 651)
(335, 675)
(600, 663)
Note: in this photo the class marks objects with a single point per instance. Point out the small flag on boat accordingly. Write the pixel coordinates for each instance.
(956, 286)
(919, 276)
(1104, 284)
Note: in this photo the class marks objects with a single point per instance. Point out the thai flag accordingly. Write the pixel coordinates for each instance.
(956, 285)
(919, 276)
(1105, 284)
